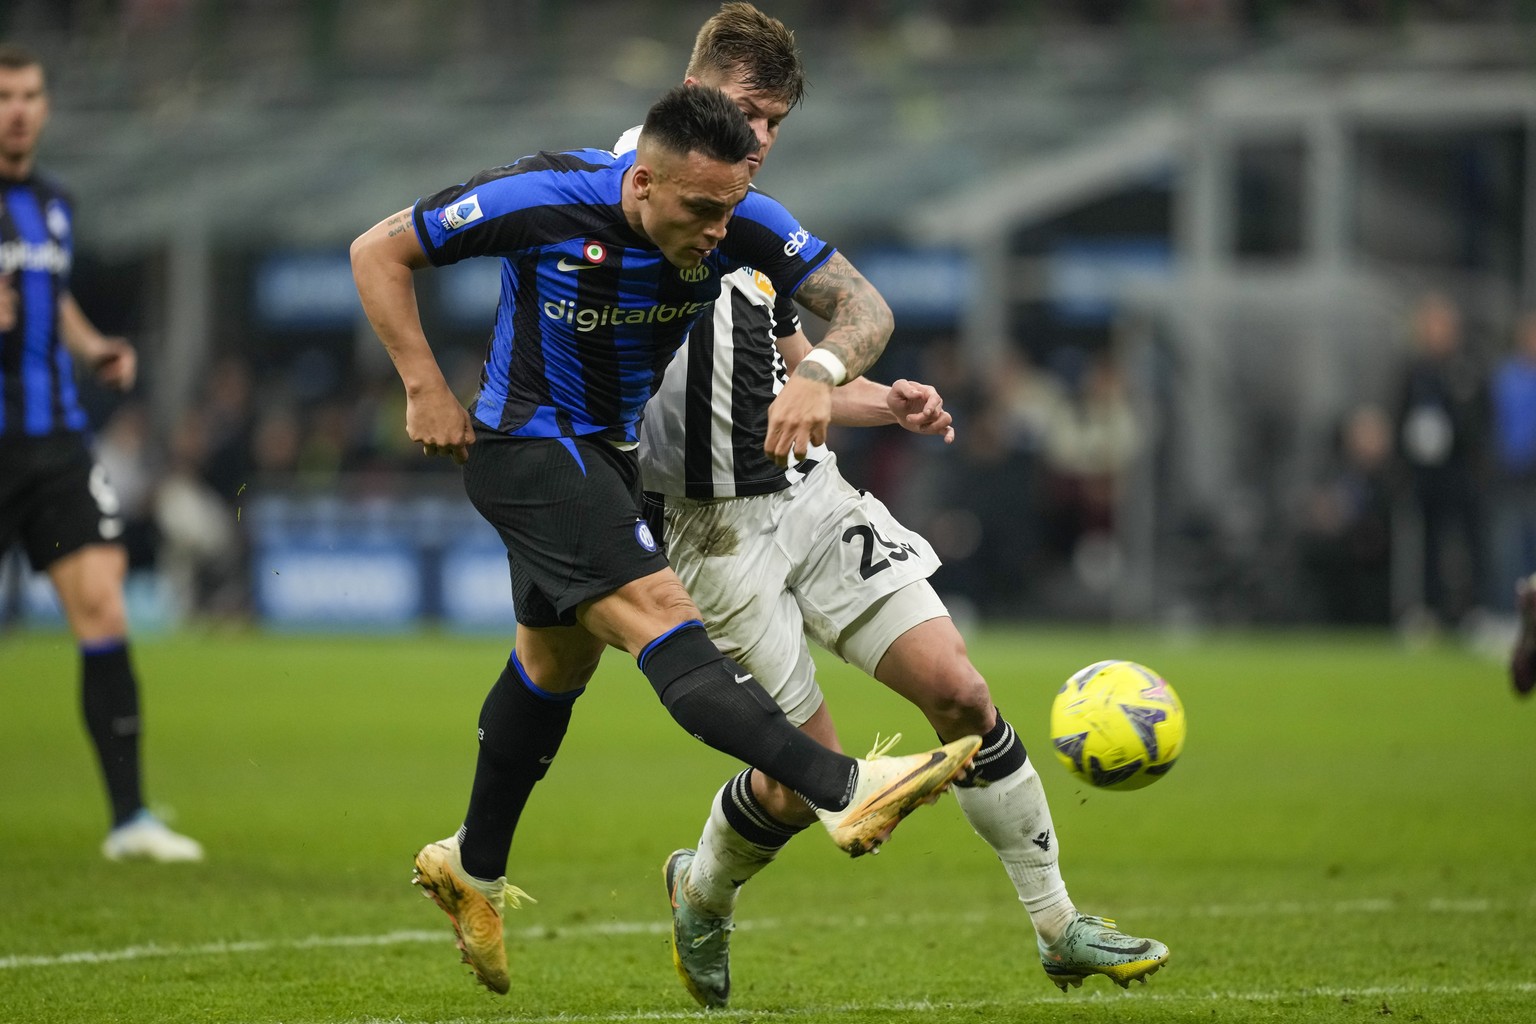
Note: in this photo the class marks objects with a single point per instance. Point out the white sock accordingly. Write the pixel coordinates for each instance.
(1012, 815)
(726, 859)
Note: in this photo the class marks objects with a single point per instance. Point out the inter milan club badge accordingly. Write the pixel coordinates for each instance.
(643, 535)
(57, 218)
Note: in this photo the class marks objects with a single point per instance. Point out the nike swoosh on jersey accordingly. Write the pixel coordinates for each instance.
(566, 264)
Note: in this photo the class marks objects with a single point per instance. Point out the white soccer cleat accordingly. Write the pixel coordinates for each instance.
(890, 788)
(146, 837)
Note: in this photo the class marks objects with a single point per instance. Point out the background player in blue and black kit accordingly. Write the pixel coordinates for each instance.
(607, 261)
(54, 499)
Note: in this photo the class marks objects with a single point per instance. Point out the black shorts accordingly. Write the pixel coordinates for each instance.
(568, 510)
(54, 498)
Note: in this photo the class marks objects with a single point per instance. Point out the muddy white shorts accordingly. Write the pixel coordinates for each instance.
(818, 559)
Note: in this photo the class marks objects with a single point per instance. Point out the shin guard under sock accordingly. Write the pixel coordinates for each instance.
(720, 703)
(521, 727)
(1005, 803)
(739, 840)
(109, 700)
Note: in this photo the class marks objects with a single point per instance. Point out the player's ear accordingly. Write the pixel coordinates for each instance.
(642, 178)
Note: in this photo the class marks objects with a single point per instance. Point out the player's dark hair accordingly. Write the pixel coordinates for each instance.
(743, 42)
(15, 58)
(690, 118)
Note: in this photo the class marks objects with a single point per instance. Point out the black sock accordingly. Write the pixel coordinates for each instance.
(720, 703)
(521, 727)
(750, 818)
(1002, 753)
(109, 699)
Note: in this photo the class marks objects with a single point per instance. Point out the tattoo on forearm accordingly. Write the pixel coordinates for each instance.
(859, 322)
(813, 371)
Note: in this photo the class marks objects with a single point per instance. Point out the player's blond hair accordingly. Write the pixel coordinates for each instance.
(741, 41)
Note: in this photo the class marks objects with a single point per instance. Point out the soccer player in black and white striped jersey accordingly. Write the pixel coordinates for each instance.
(775, 546)
(54, 498)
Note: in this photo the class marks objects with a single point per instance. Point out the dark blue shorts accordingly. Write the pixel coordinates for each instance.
(54, 498)
(569, 512)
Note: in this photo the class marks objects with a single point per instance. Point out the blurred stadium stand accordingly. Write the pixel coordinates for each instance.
(1235, 203)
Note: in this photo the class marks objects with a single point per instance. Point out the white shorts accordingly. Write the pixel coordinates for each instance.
(818, 559)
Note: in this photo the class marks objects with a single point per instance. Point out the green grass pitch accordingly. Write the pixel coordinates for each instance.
(1350, 836)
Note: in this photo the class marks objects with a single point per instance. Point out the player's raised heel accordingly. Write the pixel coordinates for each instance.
(1093, 945)
(701, 946)
(890, 788)
(473, 905)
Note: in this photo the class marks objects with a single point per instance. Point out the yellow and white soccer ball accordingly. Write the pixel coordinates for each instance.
(1117, 725)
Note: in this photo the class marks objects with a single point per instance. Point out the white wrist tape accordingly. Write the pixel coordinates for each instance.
(830, 362)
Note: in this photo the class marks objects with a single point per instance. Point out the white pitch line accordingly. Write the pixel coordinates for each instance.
(152, 950)
(1372, 992)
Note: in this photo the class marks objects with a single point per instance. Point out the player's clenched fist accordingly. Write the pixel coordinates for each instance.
(435, 420)
(115, 363)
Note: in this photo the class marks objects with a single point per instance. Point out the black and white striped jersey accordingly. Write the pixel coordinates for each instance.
(703, 432)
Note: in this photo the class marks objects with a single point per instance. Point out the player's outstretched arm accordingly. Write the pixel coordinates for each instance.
(866, 403)
(111, 359)
(383, 260)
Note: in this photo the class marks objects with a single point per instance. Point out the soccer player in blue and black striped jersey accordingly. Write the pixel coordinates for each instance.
(606, 262)
(54, 499)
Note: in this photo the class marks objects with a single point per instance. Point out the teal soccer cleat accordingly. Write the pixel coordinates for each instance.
(701, 946)
(1093, 945)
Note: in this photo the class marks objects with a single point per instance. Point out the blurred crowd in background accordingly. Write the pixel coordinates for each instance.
(1022, 507)
(205, 137)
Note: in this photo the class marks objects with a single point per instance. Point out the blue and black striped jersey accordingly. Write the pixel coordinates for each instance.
(37, 376)
(590, 311)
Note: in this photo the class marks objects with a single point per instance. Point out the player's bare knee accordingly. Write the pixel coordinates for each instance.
(640, 611)
(672, 598)
(958, 703)
(566, 677)
(95, 613)
(558, 671)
